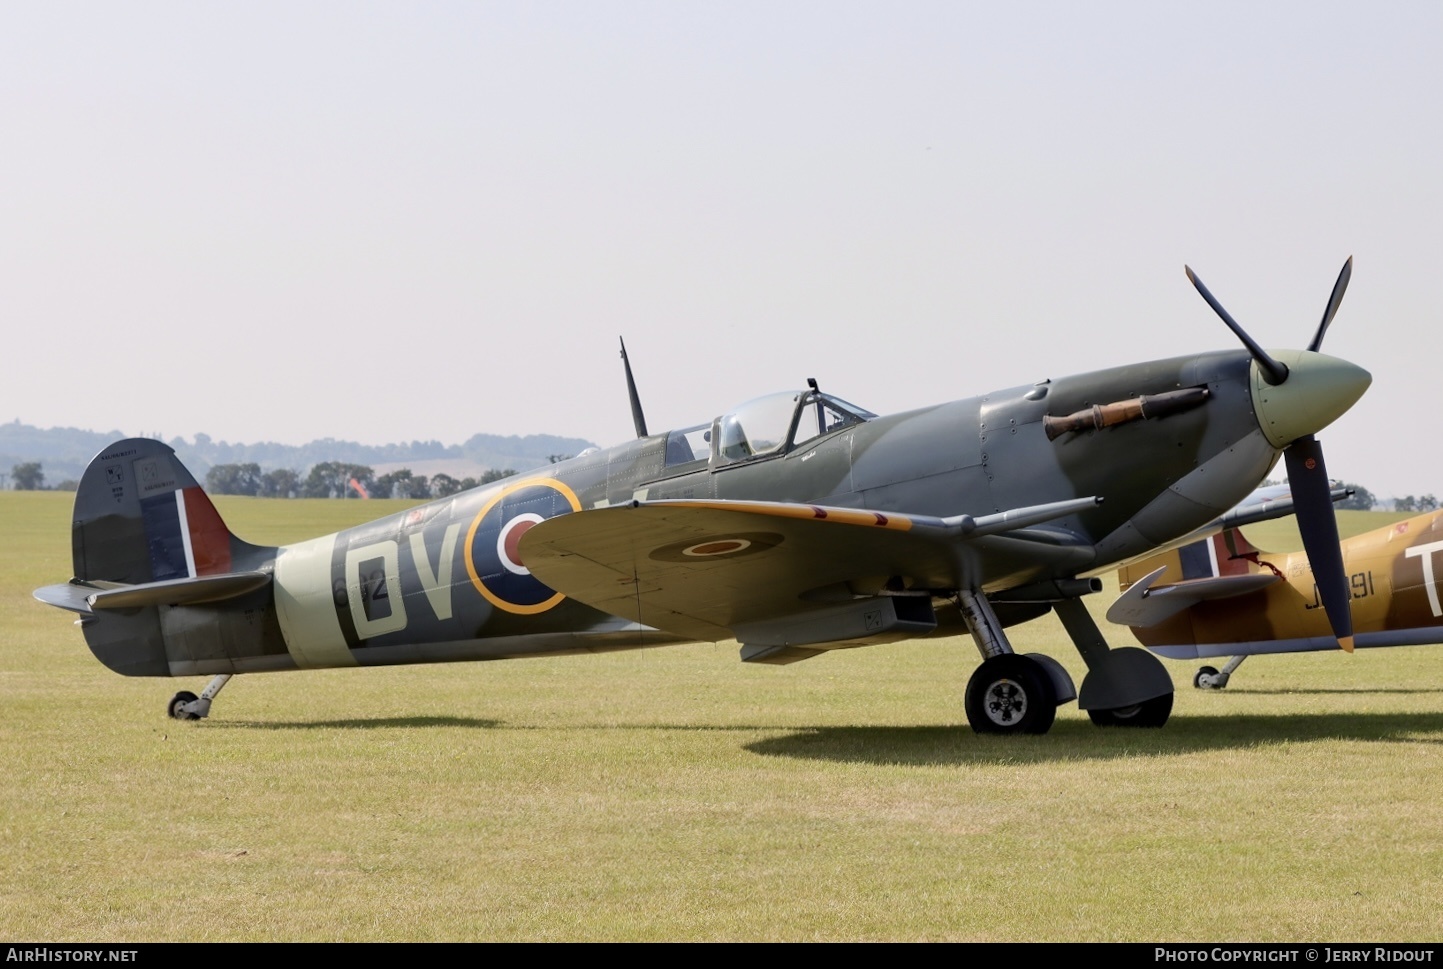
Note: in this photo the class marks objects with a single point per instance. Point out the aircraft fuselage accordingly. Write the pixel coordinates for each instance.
(442, 581)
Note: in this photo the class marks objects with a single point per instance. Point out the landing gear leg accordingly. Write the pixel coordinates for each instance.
(1209, 678)
(1126, 687)
(185, 705)
(1009, 693)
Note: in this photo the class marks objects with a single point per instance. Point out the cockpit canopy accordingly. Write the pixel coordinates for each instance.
(763, 427)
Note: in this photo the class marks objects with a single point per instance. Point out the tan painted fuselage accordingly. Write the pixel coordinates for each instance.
(1394, 574)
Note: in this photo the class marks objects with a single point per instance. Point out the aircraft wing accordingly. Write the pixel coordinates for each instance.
(1142, 605)
(713, 570)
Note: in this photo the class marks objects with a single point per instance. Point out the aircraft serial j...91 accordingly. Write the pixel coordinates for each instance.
(796, 523)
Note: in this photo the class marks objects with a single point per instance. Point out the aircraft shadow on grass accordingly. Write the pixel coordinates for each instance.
(379, 723)
(940, 744)
(1342, 691)
(943, 744)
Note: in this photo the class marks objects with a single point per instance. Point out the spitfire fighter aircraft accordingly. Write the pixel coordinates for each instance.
(796, 523)
(1221, 596)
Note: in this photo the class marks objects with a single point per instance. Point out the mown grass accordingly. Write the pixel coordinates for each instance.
(679, 794)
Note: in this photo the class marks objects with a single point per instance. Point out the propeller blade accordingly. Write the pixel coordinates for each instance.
(1339, 288)
(1273, 371)
(1313, 500)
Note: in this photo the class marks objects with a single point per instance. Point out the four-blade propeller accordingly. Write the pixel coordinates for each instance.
(1307, 474)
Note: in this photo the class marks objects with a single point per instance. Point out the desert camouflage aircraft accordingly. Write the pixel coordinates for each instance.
(1221, 596)
(796, 523)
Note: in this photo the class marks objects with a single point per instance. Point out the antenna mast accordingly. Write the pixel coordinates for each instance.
(637, 417)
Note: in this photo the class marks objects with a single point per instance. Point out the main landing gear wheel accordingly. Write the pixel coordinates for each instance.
(1207, 678)
(1011, 694)
(177, 711)
(1148, 713)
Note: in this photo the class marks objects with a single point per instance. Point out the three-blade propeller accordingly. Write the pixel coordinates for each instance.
(1307, 474)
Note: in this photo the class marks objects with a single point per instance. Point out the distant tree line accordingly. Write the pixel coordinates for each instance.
(338, 479)
(67, 451)
(328, 479)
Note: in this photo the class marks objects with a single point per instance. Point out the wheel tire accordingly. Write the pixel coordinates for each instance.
(1149, 713)
(1202, 680)
(177, 702)
(1011, 694)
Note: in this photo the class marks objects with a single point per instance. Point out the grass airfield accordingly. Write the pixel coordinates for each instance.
(678, 794)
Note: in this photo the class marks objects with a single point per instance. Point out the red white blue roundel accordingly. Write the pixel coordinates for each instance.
(720, 546)
(492, 559)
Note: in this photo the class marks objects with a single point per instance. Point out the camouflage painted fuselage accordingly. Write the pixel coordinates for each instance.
(443, 582)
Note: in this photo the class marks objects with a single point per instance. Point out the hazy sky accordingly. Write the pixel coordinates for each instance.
(386, 222)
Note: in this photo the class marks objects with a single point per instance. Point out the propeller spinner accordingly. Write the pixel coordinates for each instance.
(1294, 400)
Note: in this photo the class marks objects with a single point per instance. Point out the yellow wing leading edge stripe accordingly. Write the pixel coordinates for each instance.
(846, 516)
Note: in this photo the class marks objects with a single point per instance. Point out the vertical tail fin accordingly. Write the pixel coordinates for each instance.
(140, 516)
(1227, 553)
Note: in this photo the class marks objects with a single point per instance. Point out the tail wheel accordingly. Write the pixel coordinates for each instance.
(177, 711)
(1148, 713)
(1206, 679)
(1011, 694)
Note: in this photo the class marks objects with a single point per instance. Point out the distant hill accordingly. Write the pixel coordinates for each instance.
(65, 451)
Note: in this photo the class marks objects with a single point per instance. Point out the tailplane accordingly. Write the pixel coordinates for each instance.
(1158, 588)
